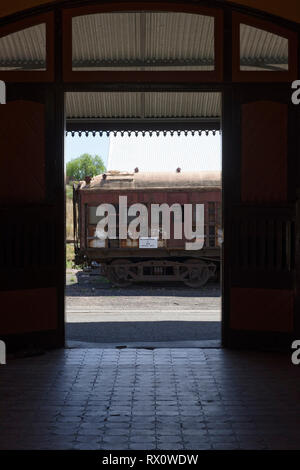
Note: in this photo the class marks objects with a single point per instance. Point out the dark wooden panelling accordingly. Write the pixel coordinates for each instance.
(262, 309)
(259, 158)
(22, 162)
(264, 152)
(28, 310)
(31, 257)
(28, 248)
(263, 245)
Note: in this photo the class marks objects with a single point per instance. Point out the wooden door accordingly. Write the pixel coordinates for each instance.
(31, 227)
(260, 176)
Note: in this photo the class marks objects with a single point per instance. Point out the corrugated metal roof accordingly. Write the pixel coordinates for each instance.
(143, 105)
(165, 40)
(103, 105)
(25, 49)
(262, 50)
(139, 40)
(143, 41)
(178, 105)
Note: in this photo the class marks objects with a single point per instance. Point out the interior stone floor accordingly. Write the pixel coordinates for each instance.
(150, 399)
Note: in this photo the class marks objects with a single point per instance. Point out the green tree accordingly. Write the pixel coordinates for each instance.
(85, 165)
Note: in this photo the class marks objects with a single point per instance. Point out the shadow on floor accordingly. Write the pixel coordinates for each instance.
(93, 288)
(164, 331)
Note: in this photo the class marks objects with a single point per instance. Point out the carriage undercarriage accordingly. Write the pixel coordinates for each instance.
(192, 272)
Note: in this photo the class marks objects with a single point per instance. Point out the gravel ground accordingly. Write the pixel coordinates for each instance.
(100, 313)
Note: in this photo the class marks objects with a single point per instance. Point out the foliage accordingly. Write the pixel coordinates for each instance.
(70, 256)
(69, 191)
(85, 165)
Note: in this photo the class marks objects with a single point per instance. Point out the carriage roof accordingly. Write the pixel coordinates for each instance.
(115, 180)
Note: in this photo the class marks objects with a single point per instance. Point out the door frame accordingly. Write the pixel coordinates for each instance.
(54, 90)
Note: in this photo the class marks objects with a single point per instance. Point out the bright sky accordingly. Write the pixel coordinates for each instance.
(76, 146)
(155, 153)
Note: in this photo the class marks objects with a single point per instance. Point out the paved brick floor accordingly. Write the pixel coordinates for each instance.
(150, 399)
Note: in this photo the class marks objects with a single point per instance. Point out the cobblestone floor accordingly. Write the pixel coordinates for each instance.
(150, 399)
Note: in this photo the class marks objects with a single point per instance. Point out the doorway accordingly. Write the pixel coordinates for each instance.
(154, 147)
(259, 264)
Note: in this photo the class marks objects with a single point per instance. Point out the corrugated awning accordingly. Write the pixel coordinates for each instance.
(143, 111)
(125, 130)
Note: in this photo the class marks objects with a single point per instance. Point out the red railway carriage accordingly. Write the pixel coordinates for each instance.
(125, 261)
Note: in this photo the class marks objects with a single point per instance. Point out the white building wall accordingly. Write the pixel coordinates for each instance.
(159, 153)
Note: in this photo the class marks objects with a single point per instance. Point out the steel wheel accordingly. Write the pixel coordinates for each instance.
(197, 273)
(118, 273)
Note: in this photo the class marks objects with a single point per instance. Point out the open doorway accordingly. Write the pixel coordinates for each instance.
(155, 288)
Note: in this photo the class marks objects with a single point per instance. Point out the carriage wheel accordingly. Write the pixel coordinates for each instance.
(118, 273)
(197, 273)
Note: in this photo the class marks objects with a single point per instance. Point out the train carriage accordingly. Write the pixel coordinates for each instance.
(128, 260)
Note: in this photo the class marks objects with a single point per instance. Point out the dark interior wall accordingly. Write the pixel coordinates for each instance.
(260, 153)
